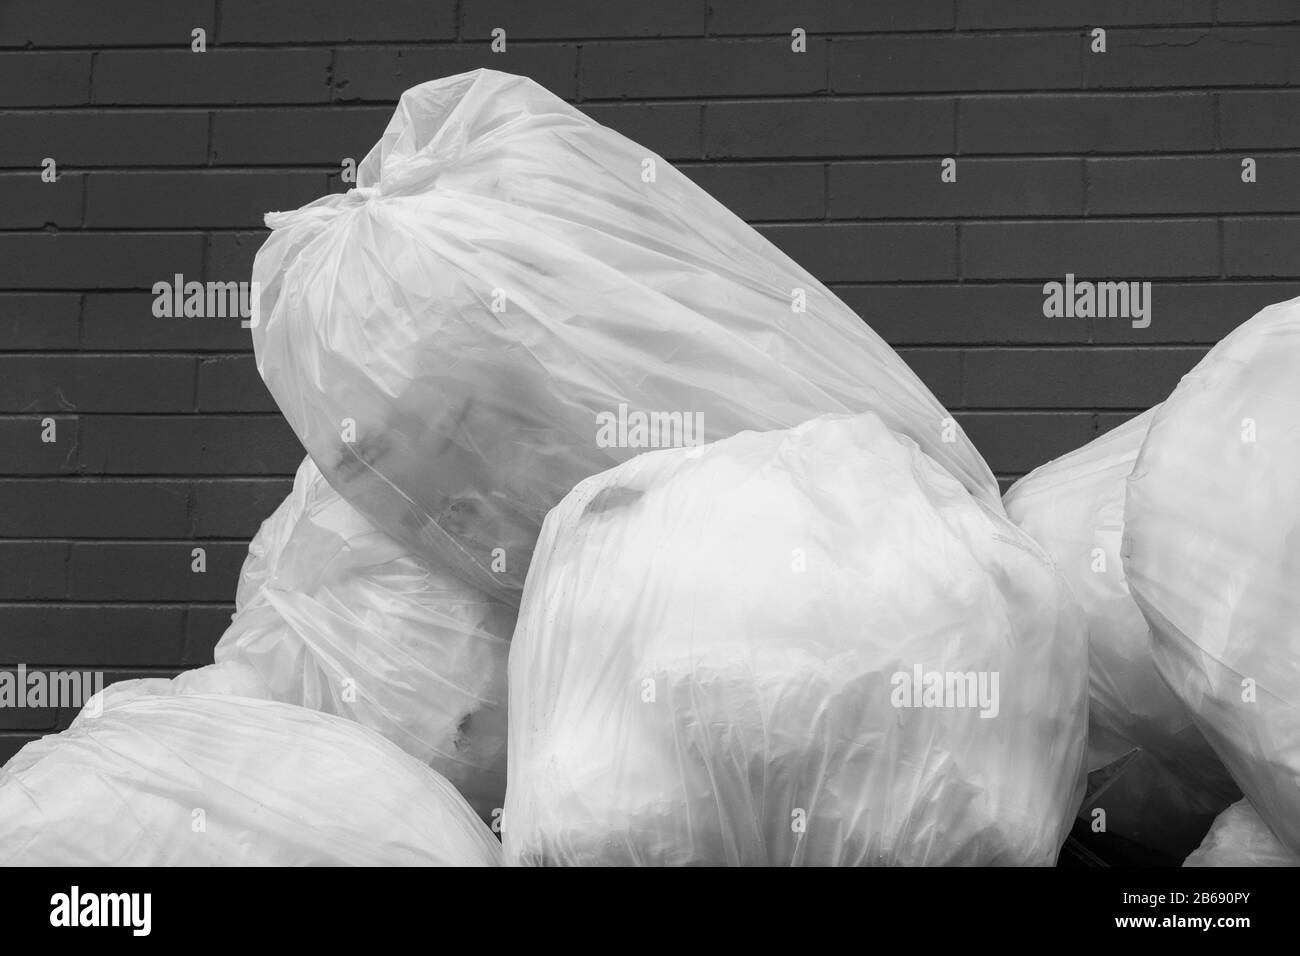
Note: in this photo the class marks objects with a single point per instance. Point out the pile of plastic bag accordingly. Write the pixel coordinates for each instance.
(776, 613)
(1178, 535)
(515, 297)
(1212, 555)
(1156, 781)
(729, 655)
(335, 615)
(196, 774)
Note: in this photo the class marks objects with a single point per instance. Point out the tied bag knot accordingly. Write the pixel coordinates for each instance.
(324, 208)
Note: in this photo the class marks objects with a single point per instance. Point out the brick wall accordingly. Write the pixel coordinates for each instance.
(1117, 165)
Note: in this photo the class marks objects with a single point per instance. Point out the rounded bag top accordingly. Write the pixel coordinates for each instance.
(808, 646)
(185, 774)
(1212, 555)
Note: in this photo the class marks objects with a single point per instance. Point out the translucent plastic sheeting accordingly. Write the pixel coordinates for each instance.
(340, 617)
(809, 646)
(1240, 837)
(515, 297)
(163, 779)
(1212, 554)
(1158, 782)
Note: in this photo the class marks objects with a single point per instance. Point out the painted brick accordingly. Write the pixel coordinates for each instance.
(1132, 249)
(1260, 120)
(70, 260)
(218, 77)
(840, 252)
(26, 453)
(1088, 123)
(1074, 378)
(79, 138)
(89, 635)
(839, 128)
(384, 73)
(1004, 14)
(673, 130)
(765, 191)
(828, 16)
(72, 383)
(236, 507)
(1179, 185)
(44, 79)
(670, 69)
(188, 445)
(529, 20)
(1262, 247)
(153, 571)
(31, 203)
(124, 321)
(310, 21)
(230, 383)
(995, 314)
(985, 188)
(93, 508)
(1262, 56)
(33, 570)
(92, 23)
(921, 64)
(312, 136)
(39, 321)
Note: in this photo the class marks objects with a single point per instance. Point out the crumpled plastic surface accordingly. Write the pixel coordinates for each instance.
(1240, 837)
(443, 337)
(277, 785)
(705, 666)
(340, 617)
(1212, 555)
(1157, 779)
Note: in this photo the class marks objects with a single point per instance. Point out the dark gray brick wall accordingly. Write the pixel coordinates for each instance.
(1123, 165)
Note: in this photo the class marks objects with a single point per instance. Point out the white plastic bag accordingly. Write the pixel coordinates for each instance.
(337, 616)
(1240, 837)
(1212, 555)
(717, 648)
(509, 295)
(1158, 781)
(210, 779)
(232, 679)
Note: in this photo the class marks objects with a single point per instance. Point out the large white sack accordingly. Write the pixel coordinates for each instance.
(712, 644)
(444, 337)
(148, 777)
(1212, 554)
(1153, 774)
(1240, 837)
(340, 617)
